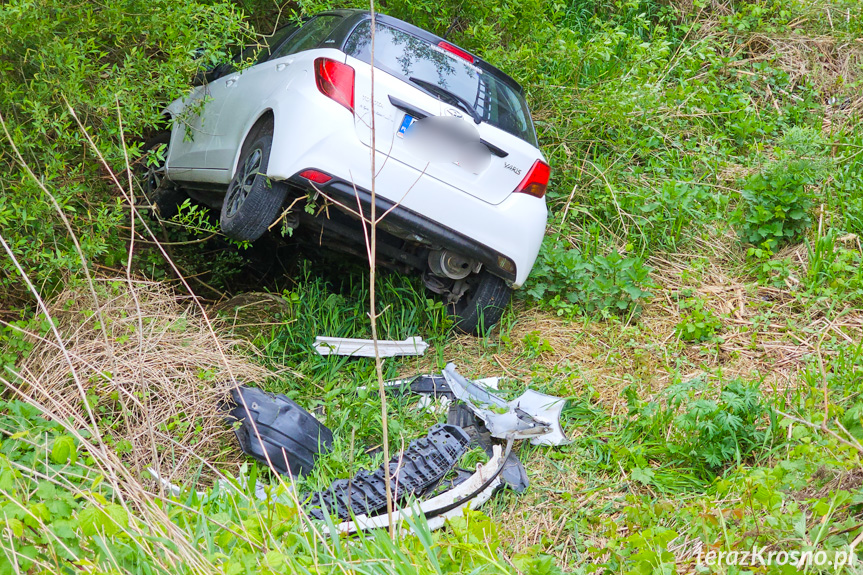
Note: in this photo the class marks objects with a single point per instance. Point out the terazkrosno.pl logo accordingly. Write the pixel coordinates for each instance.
(763, 556)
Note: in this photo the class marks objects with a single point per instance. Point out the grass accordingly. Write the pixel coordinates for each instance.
(625, 381)
(697, 301)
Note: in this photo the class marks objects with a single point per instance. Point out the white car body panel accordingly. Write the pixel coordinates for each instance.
(313, 131)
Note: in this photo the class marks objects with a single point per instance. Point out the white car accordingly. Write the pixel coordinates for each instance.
(297, 124)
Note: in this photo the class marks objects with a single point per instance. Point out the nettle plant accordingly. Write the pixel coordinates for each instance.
(574, 282)
(698, 322)
(776, 204)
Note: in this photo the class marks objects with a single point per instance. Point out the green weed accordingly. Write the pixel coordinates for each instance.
(698, 322)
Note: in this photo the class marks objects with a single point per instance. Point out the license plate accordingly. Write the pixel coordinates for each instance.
(407, 122)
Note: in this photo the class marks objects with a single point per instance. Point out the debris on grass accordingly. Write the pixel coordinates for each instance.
(366, 347)
(414, 472)
(277, 432)
(533, 415)
(472, 493)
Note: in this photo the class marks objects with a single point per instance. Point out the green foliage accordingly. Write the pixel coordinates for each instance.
(834, 270)
(121, 61)
(662, 216)
(768, 269)
(775, 206)
(698, 323)
(720, 432)
(572, 282)
(701, 433)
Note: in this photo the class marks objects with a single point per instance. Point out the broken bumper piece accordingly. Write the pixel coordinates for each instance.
(366, 347)
(413, 472)
(469, 494)
(277, 432)
(533, 415)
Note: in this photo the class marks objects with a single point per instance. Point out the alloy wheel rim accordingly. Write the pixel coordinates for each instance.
(243, 184)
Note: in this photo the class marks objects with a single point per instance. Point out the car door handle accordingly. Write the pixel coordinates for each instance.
(281, 67)
(230, 82)
(419, 114)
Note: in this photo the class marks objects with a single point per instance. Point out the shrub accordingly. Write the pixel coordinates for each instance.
(776, 204)
(124, 58)
(572, 282)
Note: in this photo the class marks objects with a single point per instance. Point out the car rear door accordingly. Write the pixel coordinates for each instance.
(194, 121)
(240, 96)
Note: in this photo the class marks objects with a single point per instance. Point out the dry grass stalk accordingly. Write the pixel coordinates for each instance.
(158, 390)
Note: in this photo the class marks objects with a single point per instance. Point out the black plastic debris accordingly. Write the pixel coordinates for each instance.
(435, 385)
(283, 431)
(513, 475)
(415, 471)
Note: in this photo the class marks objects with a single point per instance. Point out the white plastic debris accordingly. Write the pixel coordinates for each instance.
(533, 415)
(366, 347)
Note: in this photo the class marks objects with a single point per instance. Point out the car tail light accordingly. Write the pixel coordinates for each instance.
(335, 80)
(536, 180)
(456, 50)
(315, 176)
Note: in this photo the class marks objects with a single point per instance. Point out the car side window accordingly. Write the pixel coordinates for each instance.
(273, 42)
(310, 35)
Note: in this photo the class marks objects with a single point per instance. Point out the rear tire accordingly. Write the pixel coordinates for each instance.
(482, 306)
(253, 201)
(162, 195)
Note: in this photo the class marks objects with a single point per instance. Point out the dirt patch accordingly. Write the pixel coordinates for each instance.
(826, 483)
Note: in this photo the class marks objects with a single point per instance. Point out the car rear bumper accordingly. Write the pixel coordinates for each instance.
(412, 226)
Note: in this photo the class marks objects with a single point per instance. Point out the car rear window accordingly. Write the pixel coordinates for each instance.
(405, 55)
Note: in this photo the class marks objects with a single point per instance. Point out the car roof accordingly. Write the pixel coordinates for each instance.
(355, 16)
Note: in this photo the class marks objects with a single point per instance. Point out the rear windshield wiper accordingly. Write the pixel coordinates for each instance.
(458, 100)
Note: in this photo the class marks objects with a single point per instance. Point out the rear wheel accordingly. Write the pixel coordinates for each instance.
(253, 201)
(162, 195)
(482, 305)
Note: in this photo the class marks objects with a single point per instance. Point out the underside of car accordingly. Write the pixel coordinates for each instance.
(326, 215)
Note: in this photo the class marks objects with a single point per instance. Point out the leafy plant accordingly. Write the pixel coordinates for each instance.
(718, 432)
(768, 269)
(775, 205)
(701, 433)
(572, 282)
(663, 215)
(698, 322)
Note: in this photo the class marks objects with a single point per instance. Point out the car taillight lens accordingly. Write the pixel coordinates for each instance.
(335, 80)
(456, 50)
(536, 180)
(315, 176)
